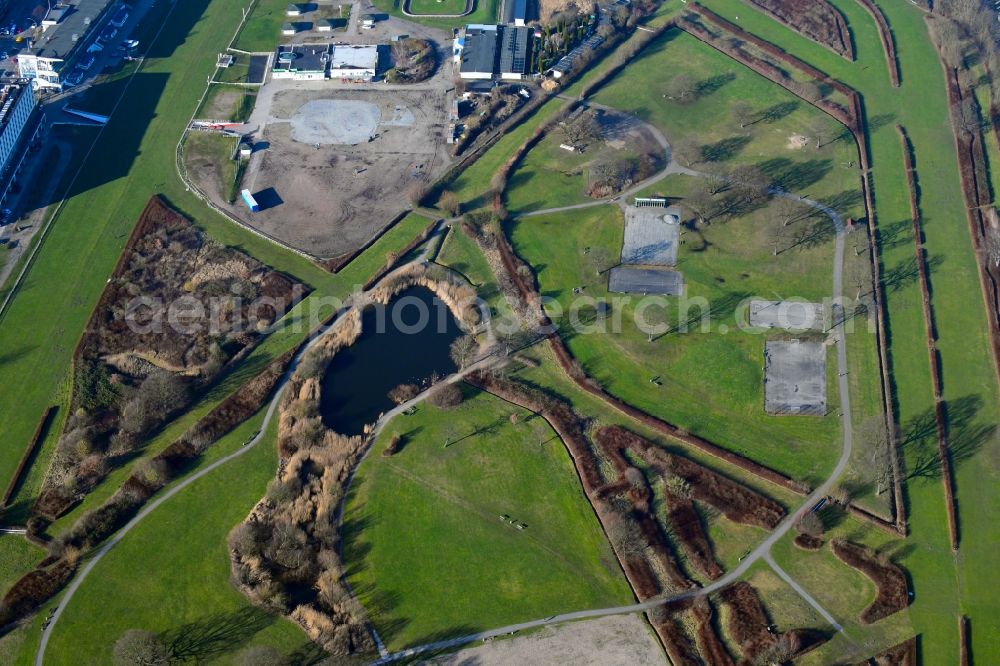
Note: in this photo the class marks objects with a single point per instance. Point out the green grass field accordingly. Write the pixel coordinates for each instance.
(426, 550)
(17, 555)
(432, 7)
(484, 11)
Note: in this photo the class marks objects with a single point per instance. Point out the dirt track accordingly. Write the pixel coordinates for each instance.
(621, 639)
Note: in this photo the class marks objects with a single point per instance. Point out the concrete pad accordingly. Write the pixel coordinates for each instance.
(626, 280)
(345, 122)
(791, 315)
(651, 235)
(795, 377)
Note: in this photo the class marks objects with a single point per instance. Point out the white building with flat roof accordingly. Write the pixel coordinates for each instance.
(354, 62)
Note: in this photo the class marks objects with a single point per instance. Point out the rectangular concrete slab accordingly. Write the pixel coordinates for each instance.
(651, 235)
(626, 280)
(795, 377)
(792, 315)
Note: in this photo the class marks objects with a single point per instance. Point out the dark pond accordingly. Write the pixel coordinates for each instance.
(404, 342)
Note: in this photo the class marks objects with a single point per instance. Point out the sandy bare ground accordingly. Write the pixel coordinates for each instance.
(607, 641)
(333, 165)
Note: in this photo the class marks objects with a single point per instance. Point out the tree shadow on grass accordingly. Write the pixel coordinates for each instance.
(713, 84)
(773, 114)
(793, 176)
(724, 150)
(216, 634)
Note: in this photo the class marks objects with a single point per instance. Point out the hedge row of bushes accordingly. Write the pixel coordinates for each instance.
(892, 593)
(815, 19)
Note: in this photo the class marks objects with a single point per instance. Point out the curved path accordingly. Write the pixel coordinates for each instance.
(763, 550)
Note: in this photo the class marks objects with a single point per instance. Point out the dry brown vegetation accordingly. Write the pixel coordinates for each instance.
(890, 580)
(178, 308)
(816, 19)
(903, 654)
(747, 624)
(413, 60)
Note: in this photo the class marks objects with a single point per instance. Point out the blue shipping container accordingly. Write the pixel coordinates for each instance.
(250, 201)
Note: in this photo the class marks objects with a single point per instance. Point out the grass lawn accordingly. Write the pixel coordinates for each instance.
(712, 381)
(226, 102)
(461, 254)
(550, 176)
(483, 11)
(425, 548)
(171, 574)
(437, 6)
(18, 555)
(920, 105)
(262, 29)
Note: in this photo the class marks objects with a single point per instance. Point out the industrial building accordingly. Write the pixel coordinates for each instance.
(493, 52)
(19, 126)
(315, 62)
(66, 31)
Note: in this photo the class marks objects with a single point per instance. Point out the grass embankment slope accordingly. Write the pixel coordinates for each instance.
(945, 585)
(426, 549)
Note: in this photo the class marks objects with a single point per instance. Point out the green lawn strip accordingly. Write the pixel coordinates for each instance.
(171, 574)
(218, 149)
(226, 102)
(461, 254)
(18, 555)
(712, 382)
(426, 550)
(982, 92)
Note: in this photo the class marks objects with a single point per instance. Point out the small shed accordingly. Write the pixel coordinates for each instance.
(293, 10)
(288, 29)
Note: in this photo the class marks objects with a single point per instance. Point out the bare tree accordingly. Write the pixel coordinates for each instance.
(462, 350)
(682, 88)
(993, 244)
(687, 149)
(750, 183)
(450, 203)
(703, 204)
(599, 259)
(873, 436)
(655, 318)
(965, 115)
(743, 113)
(810, 524)
(790, 210)
(138, 647)
(582, 129)
(819, 130)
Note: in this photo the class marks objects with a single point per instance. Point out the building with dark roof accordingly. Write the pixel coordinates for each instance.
(60, 42)
(493, 52)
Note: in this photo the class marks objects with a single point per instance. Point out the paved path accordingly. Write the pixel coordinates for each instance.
(763, 550)
(801, 591)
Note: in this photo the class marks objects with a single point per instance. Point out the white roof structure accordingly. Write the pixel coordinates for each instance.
(347, 56)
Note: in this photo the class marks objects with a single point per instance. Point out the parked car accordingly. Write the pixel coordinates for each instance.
(74, 78)
(87, 62)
